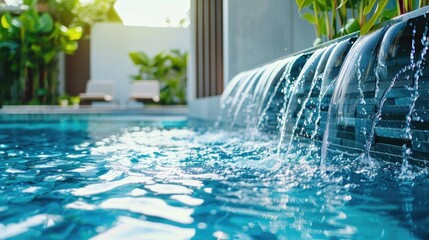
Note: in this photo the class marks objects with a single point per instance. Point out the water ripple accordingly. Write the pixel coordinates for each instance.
(151, 207)
(129, 228)
(155, 183)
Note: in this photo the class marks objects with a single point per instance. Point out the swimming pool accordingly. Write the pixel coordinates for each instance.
(125, 177)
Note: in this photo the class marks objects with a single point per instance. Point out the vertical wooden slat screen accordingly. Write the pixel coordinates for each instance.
(219, 48)
(209, 48)
(199, 48)
(206, 48)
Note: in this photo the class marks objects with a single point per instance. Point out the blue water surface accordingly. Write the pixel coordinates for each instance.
(128, 177)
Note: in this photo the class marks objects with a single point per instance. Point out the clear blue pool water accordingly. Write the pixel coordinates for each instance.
(125, 177)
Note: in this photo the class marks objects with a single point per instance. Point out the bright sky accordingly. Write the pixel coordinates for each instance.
(13, 2)
(19, 2)
(153, 13)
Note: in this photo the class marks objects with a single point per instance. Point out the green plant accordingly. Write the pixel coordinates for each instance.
(404, 6)
(335, 18)
(64, 96)
(32, 42)
(63, 99)
(169, 67)
(82, 13)
(75, 100)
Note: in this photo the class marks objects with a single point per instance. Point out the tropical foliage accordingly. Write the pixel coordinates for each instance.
(169, 67)
(82, 13)
(335, 18)
(31, 41)
(29, 45)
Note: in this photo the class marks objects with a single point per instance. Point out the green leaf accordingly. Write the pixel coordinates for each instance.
(29, 64)
(47, 23)
(49, 55)
(9, 45)
(75, 33)
(72, 34)
(16, 23)
(352, 25)
(388, 14)
(309, 17)
(322, 26)
(30, 21)
(343, 3)
(303, 3)
(369, 7)
(370, 23)
(6, 20)
(29, 2)
(140, 58)
(70, 47)
(41, 92)
(36, 48)
(136, 77)
(323, 3)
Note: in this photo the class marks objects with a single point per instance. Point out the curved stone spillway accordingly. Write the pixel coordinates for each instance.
(366, 95)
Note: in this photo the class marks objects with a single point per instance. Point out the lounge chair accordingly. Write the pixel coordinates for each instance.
(99, 91)
(145, 91)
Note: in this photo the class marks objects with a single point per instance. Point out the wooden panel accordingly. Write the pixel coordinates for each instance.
(219, 49)
(77, 69)
(206, 40)
(199, 48)
(209, 48)
(212, 50)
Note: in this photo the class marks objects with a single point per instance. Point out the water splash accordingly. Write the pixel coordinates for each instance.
(227, 98)
(341, 100)
(241, 100)
(419, 67)
(389, 39)
(274, 72)
(347, 115)
(318, 64)
(330, 76)
(288, 93)
(266, 104)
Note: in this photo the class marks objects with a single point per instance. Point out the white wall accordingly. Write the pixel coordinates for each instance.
(260, 31)
(111, 43)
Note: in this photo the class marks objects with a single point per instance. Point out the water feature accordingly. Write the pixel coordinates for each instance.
(325, 144)
(362, 98)
(356, 96)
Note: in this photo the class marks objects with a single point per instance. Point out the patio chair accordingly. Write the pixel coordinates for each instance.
(99, 91)
(145, 91)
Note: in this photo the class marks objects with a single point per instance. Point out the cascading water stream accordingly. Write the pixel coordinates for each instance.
(387, 43)
(255, 92)
(228, 96)
(321, 60)
(265, 105)
(289, 80)
(344, 117)
(270, 100)
(286, 110)
(246, 94)
(329, 78)
(233, 94)
(415, 95)
(275, 71)
(348, 97)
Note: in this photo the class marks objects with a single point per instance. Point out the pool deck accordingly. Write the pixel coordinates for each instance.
(87, 110)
